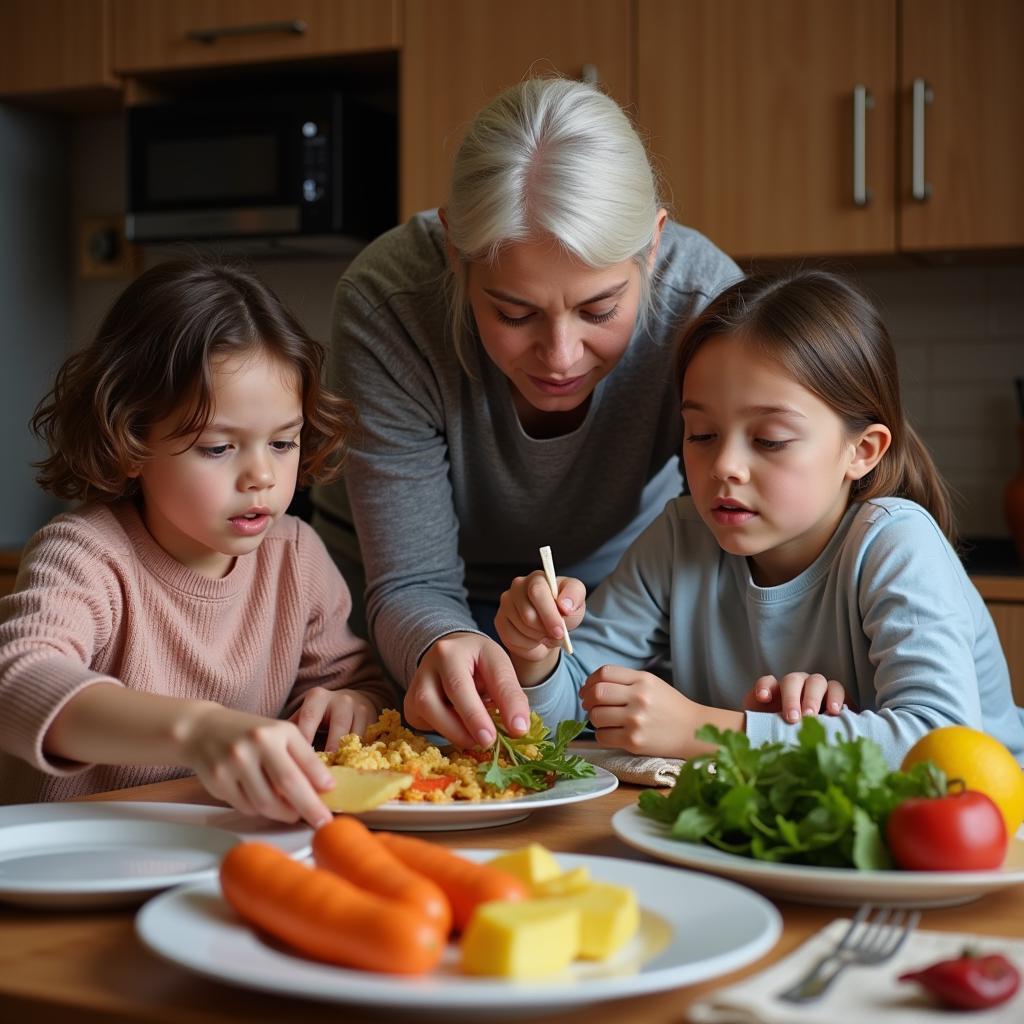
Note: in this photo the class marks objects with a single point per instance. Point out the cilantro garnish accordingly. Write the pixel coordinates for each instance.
(534, 772)
(814, 803)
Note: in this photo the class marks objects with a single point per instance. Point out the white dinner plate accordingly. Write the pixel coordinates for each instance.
(840, 887)
(118, 852)
(426, 817)
(692, 927)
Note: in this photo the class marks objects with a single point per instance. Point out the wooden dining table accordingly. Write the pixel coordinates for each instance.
(87, 965)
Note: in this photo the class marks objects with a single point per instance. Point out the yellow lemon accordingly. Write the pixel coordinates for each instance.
(981, 761)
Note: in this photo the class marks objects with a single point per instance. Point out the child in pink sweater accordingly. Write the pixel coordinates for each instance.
(178, 620)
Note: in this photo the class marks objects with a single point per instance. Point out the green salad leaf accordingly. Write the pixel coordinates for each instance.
(815, 802)
(533, 758)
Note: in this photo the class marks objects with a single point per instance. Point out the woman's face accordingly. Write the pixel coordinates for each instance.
(553, 325)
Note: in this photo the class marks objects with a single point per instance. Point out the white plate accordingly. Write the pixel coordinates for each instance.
(692, 927)
(105, 853)
(424, 817)
(840, 887)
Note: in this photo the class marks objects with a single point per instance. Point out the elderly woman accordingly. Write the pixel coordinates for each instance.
(511, 359)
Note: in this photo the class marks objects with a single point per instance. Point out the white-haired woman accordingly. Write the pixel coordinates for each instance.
(511, 360)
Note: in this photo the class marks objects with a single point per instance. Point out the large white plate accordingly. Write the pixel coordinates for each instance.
(692, 927)
(829, 886)
(119, 852)
(425, 817)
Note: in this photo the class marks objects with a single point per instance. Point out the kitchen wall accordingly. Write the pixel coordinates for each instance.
(34, 307)
(958, 330)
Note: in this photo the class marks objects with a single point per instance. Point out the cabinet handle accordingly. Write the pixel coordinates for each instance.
(588, 74)
(922, 94)
(293, 26)
(863, 101)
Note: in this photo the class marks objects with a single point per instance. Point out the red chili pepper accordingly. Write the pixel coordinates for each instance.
(969, 982)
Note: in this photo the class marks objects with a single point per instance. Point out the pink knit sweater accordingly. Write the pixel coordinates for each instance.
(98, 598)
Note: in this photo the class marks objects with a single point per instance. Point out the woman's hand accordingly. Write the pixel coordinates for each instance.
(447, 692)
(531, 622)
(342, 711)
(261, 766)
(796, 694)
(638, 712)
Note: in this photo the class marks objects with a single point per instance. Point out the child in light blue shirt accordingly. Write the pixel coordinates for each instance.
(811, 561)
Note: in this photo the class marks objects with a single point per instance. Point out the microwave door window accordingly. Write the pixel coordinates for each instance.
(232, 170)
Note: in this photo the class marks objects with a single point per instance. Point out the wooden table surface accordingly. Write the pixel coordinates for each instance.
(87, 965)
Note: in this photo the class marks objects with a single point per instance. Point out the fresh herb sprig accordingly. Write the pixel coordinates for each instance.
(813, 803)
(535, 772)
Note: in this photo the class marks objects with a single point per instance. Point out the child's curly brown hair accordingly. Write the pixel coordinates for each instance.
(153, 354)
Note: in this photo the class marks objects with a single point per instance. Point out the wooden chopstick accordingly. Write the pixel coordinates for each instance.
(549, 572)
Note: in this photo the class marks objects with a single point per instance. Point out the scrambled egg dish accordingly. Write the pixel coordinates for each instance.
(441, 776)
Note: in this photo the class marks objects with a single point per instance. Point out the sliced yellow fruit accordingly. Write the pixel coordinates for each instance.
(609, 917)
(356, 790)
(530, 864)
(562, 885)
(521, 940)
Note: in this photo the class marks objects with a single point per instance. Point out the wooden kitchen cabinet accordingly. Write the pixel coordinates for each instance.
(457, 54)
(752, 106)
(50, 47)
(969, 54)
(1004, 598)
(8, 570)
(154, 35)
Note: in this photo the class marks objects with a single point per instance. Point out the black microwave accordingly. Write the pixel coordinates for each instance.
(322, 163)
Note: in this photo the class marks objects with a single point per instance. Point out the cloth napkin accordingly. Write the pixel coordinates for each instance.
(632, 768)
(861, 994)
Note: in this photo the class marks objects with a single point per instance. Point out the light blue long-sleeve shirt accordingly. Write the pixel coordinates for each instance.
(886, 609)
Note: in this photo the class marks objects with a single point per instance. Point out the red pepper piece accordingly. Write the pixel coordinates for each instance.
(432, 782)
(969, 982)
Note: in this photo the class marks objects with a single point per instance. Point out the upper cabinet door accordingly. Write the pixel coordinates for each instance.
(963, 124)
(768, 146)
(157, 36)
(53, 46)
(457, 54)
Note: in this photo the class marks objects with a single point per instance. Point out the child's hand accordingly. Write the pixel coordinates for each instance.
(638, 712)
(530, 622)
(260, 766)
(796, 694)
(342, 711)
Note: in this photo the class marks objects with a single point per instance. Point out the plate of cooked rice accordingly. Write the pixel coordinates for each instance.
(449, 788)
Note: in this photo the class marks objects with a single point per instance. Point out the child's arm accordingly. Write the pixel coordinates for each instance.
(930, 652)
(638, 712)
(531, 623)
(258, 765)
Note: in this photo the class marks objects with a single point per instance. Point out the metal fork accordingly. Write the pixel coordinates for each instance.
(879, 939)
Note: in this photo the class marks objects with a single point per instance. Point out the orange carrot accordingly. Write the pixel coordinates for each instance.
(322, 915)
(348, 848)
(465, 883)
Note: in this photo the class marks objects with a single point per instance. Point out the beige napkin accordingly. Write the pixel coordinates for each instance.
(861, 994)
(632, 768)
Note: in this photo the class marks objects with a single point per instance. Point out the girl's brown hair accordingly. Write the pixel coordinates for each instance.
(829, 338)
(154, 353)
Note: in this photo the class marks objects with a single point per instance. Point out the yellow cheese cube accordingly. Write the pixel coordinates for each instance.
(521, 940)
(562, 885)
(530, 864)
(609, 917)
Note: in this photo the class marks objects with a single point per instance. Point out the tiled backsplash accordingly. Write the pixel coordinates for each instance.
(959, 338)
(958, 331)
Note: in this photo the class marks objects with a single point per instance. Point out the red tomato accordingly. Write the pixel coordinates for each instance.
(959, 832)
